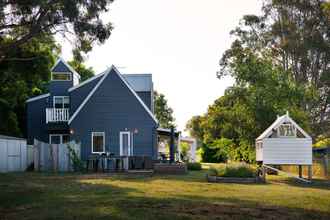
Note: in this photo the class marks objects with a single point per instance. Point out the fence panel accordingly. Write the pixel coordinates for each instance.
(53, 157)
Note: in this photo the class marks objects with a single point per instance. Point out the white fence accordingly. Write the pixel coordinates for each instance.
(53, 157)
(13, 154)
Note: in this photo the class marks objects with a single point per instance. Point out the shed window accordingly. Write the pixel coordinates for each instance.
(287, 130)
(98, 139)
(65, 76)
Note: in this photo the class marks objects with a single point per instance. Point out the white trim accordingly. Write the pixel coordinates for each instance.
(66, 64)
(130, 147)
(94, 134)
(37, 97)
(66, 73)
(88, 97)
(61, 137)
(86, 81)
(98, 85)
(62, 97)
(136, 95)
(278, 122)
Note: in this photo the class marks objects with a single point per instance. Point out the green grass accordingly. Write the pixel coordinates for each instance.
(97, 196)
(240, 170)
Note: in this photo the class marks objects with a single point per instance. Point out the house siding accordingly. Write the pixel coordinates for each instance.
(36, 120)
(146, 98)
(111, 109)
(287, 151)
(61, 67)
(78, 95)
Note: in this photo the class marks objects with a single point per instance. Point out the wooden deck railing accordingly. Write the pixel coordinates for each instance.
(57, 115)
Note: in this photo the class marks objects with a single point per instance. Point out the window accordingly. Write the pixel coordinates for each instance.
(287, 130)
(61, 102)
(59, 138)
(65, 76)
(98, 140)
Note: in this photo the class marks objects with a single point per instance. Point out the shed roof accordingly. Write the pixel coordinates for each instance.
(279, 121)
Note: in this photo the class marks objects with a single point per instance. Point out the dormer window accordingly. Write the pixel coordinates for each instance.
(61, 76)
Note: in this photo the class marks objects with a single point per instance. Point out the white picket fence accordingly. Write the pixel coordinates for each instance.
(53, 157)
(15, 155)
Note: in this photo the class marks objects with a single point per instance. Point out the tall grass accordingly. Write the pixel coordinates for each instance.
(241, 170)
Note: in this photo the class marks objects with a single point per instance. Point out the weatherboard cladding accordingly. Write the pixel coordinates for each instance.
(111, 109)
(36, 120)
(78, 95)
(146, 98)
(60, 67)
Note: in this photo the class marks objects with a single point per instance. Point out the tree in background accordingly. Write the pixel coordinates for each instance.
(163, 112)
(295, 36)
(84, 72)
(28, 49)
(280, 61)
(78, 21)
(23, 79)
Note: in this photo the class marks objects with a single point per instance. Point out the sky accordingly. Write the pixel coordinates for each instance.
(179, 41)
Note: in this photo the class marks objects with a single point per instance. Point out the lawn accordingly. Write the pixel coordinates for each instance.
(97, 196)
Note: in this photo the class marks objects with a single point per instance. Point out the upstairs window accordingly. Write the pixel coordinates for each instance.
(287, 130)
(61, 102)
(61, 76)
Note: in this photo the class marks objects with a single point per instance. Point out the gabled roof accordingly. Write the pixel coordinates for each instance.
(60, 60)
(37, 97)
(279, 121)
(87, 81)
(104, 75)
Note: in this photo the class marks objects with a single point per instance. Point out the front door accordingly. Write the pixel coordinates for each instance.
(125, 143)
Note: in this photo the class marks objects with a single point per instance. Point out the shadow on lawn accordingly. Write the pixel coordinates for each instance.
(67, 197)
(315, 184)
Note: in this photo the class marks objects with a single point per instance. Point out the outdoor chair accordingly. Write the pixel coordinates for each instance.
(148, 163)
(94, 160)
(138, 162)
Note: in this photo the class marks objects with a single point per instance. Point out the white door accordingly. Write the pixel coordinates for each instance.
(125, 143)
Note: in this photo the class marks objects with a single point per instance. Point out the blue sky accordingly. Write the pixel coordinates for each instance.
(179, 41)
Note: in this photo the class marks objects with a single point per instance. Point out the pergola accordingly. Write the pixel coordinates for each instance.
(175, 140)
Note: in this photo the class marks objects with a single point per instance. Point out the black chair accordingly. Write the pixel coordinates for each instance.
(94, 160)
(148, 163)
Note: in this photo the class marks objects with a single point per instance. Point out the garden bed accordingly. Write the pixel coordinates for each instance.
(165, 168)
(234, 173)
(219, 179)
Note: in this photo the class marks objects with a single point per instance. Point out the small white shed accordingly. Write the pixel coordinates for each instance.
(284, 143)
(13, 154)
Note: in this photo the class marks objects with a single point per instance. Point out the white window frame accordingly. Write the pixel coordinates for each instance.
(130, 142)
(61, 137)
(67, 73)
(61, 97)
(94, 134)
(285, 136)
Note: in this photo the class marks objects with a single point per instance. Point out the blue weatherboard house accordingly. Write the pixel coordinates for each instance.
(110, 112)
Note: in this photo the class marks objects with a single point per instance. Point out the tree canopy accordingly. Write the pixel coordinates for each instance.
(280, 62)
(163, 112)
(78, 21)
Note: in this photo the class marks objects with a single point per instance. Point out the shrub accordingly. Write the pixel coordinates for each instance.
(194, 166)
(234, 170)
